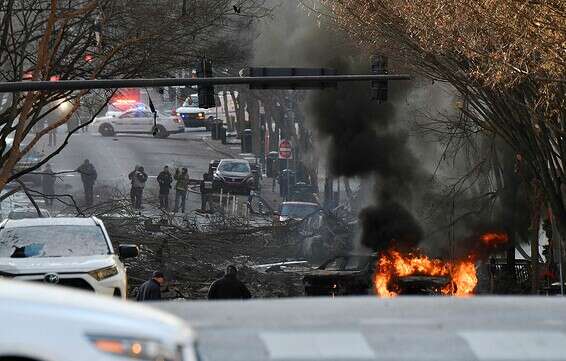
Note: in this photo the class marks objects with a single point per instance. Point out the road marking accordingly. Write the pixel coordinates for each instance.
(316, 345)
(516, 345)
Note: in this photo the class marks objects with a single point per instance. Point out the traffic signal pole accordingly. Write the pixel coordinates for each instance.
(285, 82)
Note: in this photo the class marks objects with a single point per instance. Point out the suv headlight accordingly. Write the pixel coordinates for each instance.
(103, 273)
(134, 348)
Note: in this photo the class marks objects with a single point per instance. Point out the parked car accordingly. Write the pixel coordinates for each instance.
(349, 274)
(234, 176)
(42, 323)
(23, 213)
(297, 210)
(73, 252)
(139, 122)
(193, 116)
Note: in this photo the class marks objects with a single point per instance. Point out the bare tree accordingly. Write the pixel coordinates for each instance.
(88, 39)
(505, 58)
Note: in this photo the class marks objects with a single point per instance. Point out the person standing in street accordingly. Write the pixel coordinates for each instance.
(138, 178)
(181, 188)
(229, 287)
(131, 177)
(164, 179)
(48, 185)
(151, 290)
(88, 176)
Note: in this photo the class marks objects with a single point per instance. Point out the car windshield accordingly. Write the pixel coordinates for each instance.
(237, 167)
(347, 263)
(52, 241)
(298, 210)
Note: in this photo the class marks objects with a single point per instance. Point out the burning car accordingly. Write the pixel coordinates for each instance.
(389, 274)
(413, 273)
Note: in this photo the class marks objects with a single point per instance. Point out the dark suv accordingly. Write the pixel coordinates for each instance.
(233, 176)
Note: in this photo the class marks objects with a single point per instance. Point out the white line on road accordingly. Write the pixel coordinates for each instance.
(316, 345)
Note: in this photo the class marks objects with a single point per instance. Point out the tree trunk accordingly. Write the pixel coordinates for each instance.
(227, 111)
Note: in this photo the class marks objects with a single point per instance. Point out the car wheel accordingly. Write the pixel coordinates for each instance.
(106, 130)
(161, 132)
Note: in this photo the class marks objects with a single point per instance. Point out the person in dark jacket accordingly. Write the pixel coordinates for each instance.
(181, 188)
(88, 176)
(229, 287)
(138, 178)
(164, 179)
(151, 290)
(48, 185)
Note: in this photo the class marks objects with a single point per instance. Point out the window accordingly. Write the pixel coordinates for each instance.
(237, 167)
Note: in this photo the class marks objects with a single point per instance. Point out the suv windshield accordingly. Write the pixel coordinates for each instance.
(298, 210)
(52, 241)
(238, 167)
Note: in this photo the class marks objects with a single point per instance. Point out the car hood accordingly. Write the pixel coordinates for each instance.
(105, 118)
(233, 174)
(33, 265)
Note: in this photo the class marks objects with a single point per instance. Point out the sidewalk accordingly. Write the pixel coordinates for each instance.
(233, 150)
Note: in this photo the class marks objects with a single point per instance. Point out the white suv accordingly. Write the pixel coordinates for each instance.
(139, 121)
(73, 252)
(41, 323)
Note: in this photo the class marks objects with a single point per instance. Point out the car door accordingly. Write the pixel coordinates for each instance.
(134, 121)
(124, 122)
(145, 122)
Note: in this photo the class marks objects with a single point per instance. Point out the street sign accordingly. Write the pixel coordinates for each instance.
(285, 150)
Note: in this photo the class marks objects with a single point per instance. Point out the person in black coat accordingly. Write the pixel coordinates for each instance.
(164, 179)
(88, 176)
(48, 185)
(151, 290)
(229, 287)
(138, 178)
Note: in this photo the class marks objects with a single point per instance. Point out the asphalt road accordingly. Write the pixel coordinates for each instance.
(115, 157)
(368, 328)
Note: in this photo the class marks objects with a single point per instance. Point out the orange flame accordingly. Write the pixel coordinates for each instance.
(494, 238)
(462, 273)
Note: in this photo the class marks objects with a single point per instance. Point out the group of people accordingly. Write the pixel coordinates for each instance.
(88, 177)
(138, 179)
(226, 288)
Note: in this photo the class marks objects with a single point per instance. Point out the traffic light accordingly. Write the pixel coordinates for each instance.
(205, 92)
(379, 87)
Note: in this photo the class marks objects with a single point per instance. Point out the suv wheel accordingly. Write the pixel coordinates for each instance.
(106, 130)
